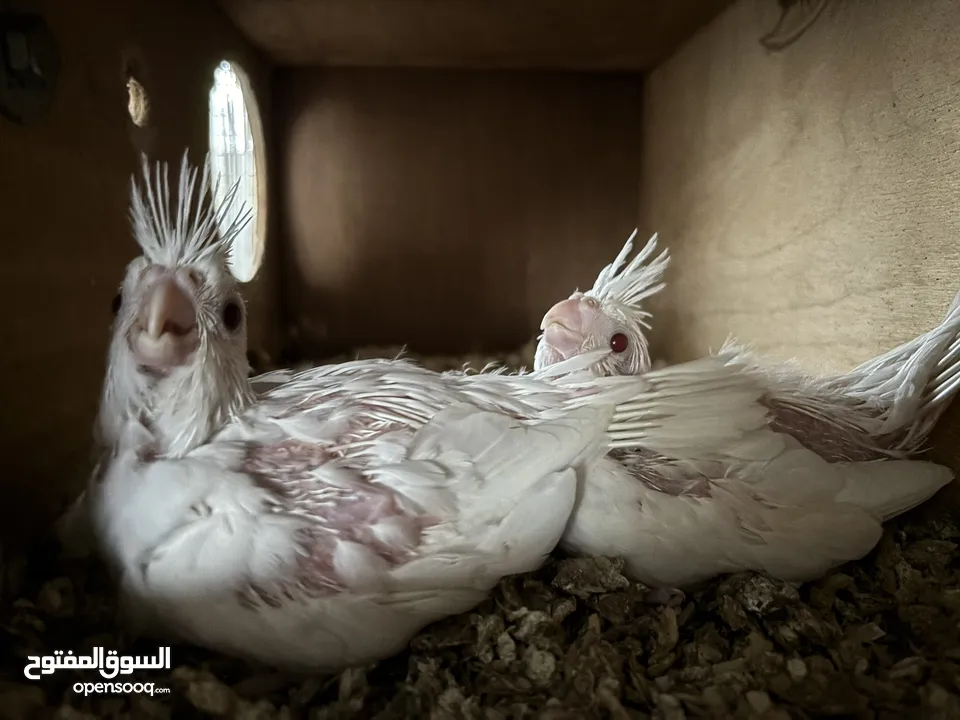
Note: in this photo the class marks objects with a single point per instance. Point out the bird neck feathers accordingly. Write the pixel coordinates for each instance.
(182, 409)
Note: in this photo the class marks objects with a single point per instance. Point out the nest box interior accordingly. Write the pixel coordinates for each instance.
(437, 174)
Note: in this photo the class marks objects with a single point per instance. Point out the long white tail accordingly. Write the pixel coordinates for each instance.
(886, 407)
(916, 381)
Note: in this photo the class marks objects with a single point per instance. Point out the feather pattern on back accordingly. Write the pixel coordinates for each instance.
(373, 485)
(324, 521)
(782, 471)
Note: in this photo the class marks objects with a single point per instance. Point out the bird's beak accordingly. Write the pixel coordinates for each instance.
(167, 309)
(565, 324)
(566, 314)
(165, 334)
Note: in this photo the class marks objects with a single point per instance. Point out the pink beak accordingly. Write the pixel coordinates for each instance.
(167, 309)
(565, 324)
(166, 334)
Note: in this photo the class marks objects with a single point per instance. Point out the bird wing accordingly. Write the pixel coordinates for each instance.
(705, 419)
(309, 527)
(711, 487)
(703, 410)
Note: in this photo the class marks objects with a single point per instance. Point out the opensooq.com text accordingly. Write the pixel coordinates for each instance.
(98, 688)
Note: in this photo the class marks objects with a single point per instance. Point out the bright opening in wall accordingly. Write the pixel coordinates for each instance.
(237, 155)
(138, 104)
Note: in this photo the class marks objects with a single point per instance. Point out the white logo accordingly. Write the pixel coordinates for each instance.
(109, 663)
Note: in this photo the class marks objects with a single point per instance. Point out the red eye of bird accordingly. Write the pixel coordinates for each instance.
(619, 342)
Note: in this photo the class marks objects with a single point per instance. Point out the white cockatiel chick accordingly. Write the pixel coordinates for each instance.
(324, 522)
(804, 491)
(608, 316)
(885, 407)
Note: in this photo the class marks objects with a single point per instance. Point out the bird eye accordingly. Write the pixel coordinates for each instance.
(619, 342)
(232, 315)
(117, 302)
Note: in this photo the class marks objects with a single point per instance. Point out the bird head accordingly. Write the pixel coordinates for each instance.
(609, 316)
(177, 360)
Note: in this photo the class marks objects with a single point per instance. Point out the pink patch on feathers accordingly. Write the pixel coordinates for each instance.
(835, 441)
(358, 528)
(288, 458)
(662, 474)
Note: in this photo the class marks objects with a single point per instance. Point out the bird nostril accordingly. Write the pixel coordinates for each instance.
(590, 302)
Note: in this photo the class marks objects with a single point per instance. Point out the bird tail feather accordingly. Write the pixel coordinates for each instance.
(917, 380)
(889, 488)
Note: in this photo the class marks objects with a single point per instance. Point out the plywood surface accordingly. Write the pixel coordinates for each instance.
(64, 226)
(448, 210)
(810, 196)
(568, 34)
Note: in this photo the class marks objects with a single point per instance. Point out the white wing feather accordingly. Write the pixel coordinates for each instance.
(734, 494)
(772, 504)
(185, 533)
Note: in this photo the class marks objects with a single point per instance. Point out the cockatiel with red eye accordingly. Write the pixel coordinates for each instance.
(609, 316)
(326, 520)
(810, 496)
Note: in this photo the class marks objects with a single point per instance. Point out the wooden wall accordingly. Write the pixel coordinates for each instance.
(810, 196)
(448, 209)
(64, 228)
